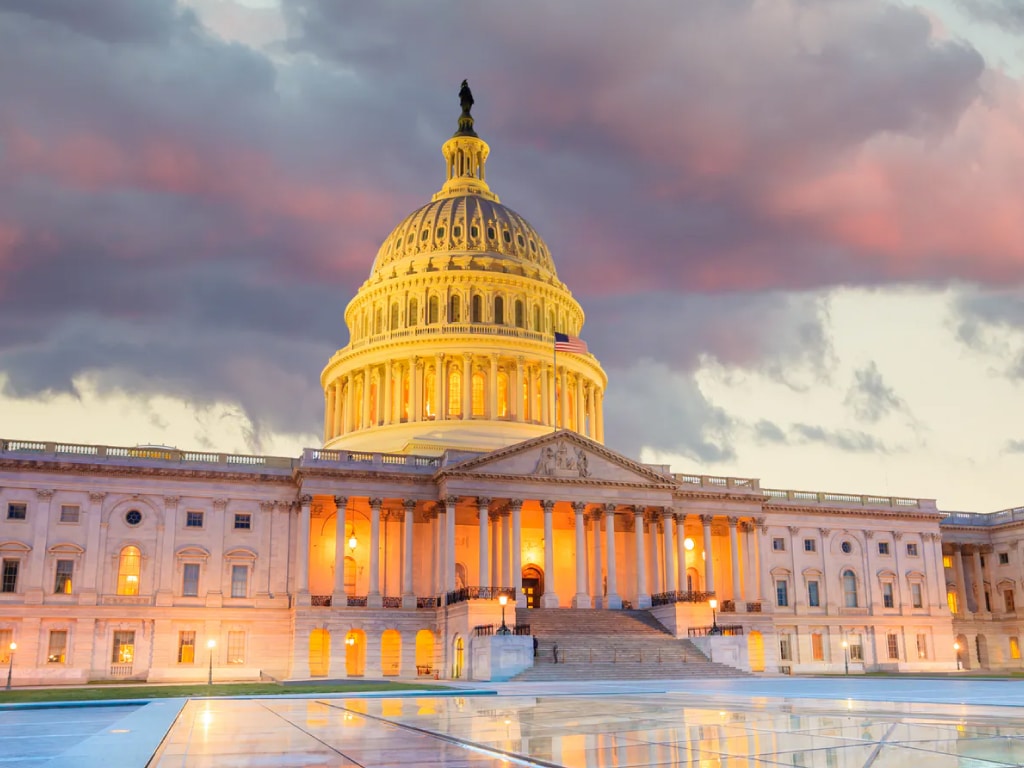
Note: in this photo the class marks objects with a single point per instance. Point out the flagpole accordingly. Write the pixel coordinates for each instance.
(554, 375)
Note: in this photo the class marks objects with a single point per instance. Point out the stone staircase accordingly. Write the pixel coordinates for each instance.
(611, 645)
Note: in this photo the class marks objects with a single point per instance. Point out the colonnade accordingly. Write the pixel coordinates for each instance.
(978, 574)
(444, 387)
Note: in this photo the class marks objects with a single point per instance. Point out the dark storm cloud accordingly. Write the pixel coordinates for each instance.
(161, 188)
(870, 398)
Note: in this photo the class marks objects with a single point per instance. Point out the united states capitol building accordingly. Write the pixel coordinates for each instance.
(463, 485)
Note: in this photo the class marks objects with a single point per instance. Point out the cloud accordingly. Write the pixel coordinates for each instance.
(768, 432)
(869, 396)
(1007, 14)
(991, 322)
(1014, 446)
(844, 439)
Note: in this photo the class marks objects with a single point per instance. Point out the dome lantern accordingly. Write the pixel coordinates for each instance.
(465, 156)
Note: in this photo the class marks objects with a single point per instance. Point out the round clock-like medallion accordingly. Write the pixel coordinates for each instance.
(134, 517)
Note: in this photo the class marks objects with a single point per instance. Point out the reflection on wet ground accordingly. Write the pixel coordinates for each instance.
(642, 729)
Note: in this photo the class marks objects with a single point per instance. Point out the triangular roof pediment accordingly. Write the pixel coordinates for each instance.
(561, 456)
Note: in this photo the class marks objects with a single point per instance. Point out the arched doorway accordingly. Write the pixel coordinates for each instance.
(355, 653)
(425, 653)
(755, 649)
(459, 657)
(319, 652)
(963, 652)
(692, 580)
(390, 653)
(533, 585)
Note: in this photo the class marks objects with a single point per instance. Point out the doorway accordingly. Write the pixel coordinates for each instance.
(533, 585)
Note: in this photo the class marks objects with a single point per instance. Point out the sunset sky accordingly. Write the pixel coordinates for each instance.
(796, 228)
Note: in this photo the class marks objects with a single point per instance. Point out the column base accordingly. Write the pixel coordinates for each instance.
(520, 599)
(581, 600)
(339, 600)
(549, 600)
(613, 603)
(303, 600)
(599, 602)
(408, 601)
(375, 601)
(643, 602)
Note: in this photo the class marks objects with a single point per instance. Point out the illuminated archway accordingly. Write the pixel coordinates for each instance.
(355, 653)
(459, 656)
(755, 649)
(390, 653)
(425, 653)
(319, 653)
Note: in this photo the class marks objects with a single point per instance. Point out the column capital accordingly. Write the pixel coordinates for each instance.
(375, 503)
(793, 530)
(305, 499)
(451, 501)
(668, 512)
(220, 504)
(267, 505)
(516, 505)
(547, 505)
(897, 535)
(706, 519)
(101, 495)
(746, 527)
(639, 511)
(825, 532)
(609, 509)
(869, 534)
(341, 501)
(409, 505)
(733, 521)
(44, 493)
(483, 501)
(170, 502)
(579, 507)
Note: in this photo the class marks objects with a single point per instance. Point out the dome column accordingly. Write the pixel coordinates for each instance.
(545, 400)
(581, 419)
(562, 398)
(515, 401)
(590, 412)
(389, 406)
(492, 406)
(416, 385)
(349, 398)
(467, 387)
(366, 396)
(439, 379)
(599, 417)
(329, 415)
(339, 407)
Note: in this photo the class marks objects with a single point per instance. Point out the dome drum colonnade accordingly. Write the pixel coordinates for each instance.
(456, 325)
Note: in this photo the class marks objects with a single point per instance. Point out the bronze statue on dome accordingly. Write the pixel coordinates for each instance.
(465, 119)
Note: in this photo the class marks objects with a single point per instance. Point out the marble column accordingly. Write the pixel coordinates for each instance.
(440, 413)
(506, 550)
(582, 598)
(734, 554)
(545, 400)
(550, 598)
(679, 523)
(961, 576)
(329, 407)
(365, 405)
(653, 561)
(339, 599)
(449, 543)
(338, 426)
(389, 401)
(590, 411)
(987, 576)
(492, 389)
(709, 560)
(437, 524)
(515, 400)
(374, 599)
(348, 415)
(494, 522)
(517, 551)
(416, 389)
(600, 417)
(302, 550)
(643, 598)
(668, 521)
(613, 600)
(978, 581)
(91, 578)
(581, 419)
(482, 504)
(408, 593)
(467, 386)
(563, 399)
(599, 583)
(166, 536)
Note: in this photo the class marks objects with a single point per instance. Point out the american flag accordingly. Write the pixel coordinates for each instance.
(566, 343)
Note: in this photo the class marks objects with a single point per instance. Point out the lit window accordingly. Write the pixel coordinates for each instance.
(243, 521)
(62, 582)
(190, 580)
(1008, 600)
(57, 651)
(69, 513)
(478, 394)
(6, 637)
(947, 561)
(193, 519)
(817, 647)
(187, 647)
(128, 567)
(236, 647)
(856, 649)
(454, 394)
(239, 581)
(17, 511)
(123, 647)
(502, 395)
(951, 601)
(1014, 648)
(922, 646)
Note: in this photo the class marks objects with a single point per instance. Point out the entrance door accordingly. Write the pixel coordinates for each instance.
(533, 586)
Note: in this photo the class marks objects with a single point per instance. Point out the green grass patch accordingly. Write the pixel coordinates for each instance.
(199, 690)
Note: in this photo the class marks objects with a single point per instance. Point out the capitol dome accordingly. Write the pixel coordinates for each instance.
(451, 338)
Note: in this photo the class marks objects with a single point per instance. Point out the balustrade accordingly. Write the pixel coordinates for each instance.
(667, 598)
(479, 593)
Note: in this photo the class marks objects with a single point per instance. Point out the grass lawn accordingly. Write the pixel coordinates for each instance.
(198, 690)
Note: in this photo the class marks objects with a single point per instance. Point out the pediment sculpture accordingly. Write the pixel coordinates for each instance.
(562, 461)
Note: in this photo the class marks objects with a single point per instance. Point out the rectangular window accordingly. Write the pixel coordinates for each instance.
(856, 649)
(1008, 600)
(810, 545)
(887, 595)
(190, 581)
(62, 581)
(69, 513)
(915, 595)
(883, 547)
(57, 652)
(951, 601)
(243, 521)
(912, 549)
(123, 650)
(922, 646)
(236, 647)
(1014, 648)
(186, 647)
(813, 598)
(193, 519)
(892, 643)
(1004, 558)
(785, 649)
(239, 581)
(17, 511)
(817, 647)
(10, 575)
(6, 637)
(779, 545)
(782, 593)
(947, 561)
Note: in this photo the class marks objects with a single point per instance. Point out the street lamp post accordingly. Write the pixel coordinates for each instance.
(503, 629)
(846, 656)
(10, 667)
(715, 629)
(956, 647)
(211, 644)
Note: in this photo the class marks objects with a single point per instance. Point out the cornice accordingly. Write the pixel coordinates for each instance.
(123, 470)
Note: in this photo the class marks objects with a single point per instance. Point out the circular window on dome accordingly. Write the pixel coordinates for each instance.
(440, 232)
(456, 231)
(490, 233)
(133, 517)
(847, 547)
(519, 239)
(474, 232)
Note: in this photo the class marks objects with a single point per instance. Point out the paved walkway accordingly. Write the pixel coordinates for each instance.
(756, 723)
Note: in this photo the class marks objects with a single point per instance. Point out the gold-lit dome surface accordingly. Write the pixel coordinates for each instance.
(466, 224)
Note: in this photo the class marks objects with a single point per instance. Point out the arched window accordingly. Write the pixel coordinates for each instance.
(536, 319)
(479, 395)
(520, 320)
(477, 309)
(429, 394)
(454, 394)
(499, 310)
(551, 321)
(502, 395)
(414, 312)
(128, 569)
(849, 589)
(394, 317)
(432, 310)
(454, 316)
(378, 321)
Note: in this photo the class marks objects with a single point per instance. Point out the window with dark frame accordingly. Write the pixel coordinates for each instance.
(779, 545)
(58, 647)
(782, 593)
(239, 581)
(70, 513)
(17, 511)
(888, 599)
(813, 597)
(883, 547)
(10, 575)
(912, 549)
(190, 580)
(193, 519)
(1004, 558)
(810, 545)
(915, 595)
(892, 642)
(62, 580)
(243, 521)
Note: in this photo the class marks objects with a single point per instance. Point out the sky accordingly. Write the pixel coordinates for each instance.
(796, 228)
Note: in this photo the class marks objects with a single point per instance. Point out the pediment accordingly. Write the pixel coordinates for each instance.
(561, 456)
